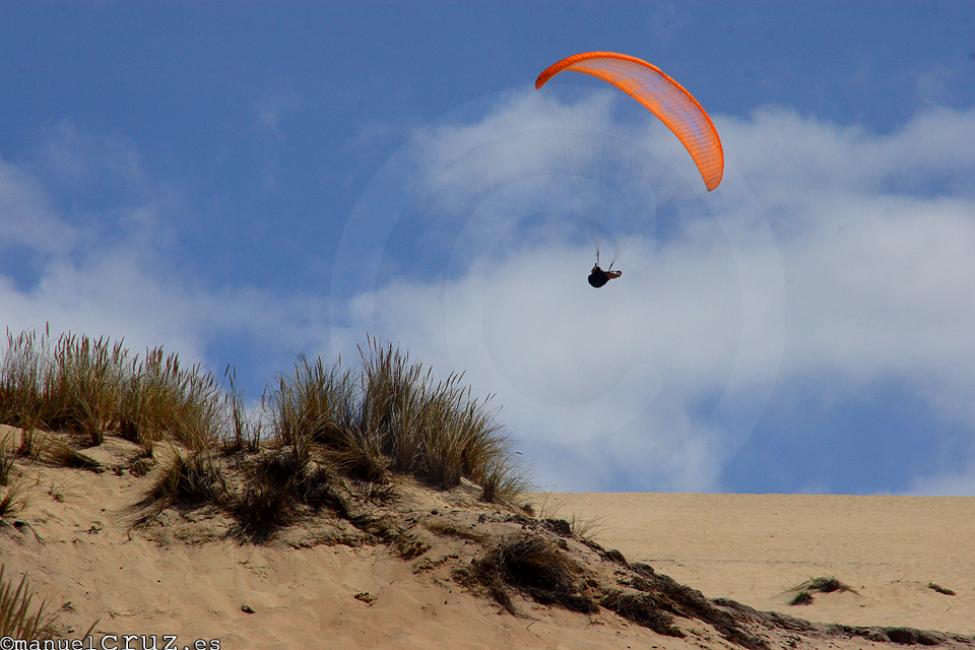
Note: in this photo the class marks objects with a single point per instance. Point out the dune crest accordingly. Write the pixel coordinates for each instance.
(393, 564)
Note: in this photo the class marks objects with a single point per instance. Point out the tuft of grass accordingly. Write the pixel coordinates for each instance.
(537, 567)
(394, 416)
(278, 481)
(27, 448)
(6, 460)
(823, 584)
(18, 619)
(586, 528)
(941, 590)
(643, 610)
(190, 480)
(503, 481)
(245, 432)
(57, 452)
(802, 598)
(12, 499)
(549, 510)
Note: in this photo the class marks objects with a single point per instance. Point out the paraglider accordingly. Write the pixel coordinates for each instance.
(662, 96)
(659, 94)
(599, 277)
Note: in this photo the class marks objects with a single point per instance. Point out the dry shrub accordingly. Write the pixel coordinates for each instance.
(825, 584)
(537, 567)
(277, 482)
(190, 480)
(642, 609)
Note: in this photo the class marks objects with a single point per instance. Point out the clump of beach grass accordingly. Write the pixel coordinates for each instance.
(537, 567)
(12, 499)
(276, 483)
(394, 416)
(389, 416)
(92, 386)
(55, 451)
(823, 584)
(802, 598)
(6, 460)
(188, 480)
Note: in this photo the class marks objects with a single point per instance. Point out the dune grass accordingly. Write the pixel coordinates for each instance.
(18, 619)
(6, 460)
(941, 590)
(394, 416)
(58, 452)
(390, 415)
(92, 386)
(276, 483)
(537, 567)
(12, 499)
(187, 481)
(823, 584)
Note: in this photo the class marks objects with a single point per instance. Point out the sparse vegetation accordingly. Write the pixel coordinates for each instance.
(390, 416)
(6, 460)
(18, 620)
(802, 598)
(826, 585)
(803, 592)
(941, 590)
(188, 480)
(538, 567)
(278, 481)
(58, 452)
(11, 499)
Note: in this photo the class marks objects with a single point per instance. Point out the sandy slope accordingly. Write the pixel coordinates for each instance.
(86, 561)
(752, 548)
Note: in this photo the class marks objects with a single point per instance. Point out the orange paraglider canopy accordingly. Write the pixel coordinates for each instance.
(660, 95)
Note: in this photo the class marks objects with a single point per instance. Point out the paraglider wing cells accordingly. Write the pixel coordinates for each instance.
(659, 94)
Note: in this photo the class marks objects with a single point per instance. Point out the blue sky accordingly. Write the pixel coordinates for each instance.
(245, 182)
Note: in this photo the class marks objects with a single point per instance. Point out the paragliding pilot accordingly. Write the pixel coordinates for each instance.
(598, 277)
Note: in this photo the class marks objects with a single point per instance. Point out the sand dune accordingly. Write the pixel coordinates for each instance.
(307, 589)
(753, 548)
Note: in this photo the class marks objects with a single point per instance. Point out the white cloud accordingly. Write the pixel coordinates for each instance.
(830, 252)
(26, 214)
(868, 277)
(125, 286)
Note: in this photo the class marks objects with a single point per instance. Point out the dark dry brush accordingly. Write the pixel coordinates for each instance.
(823, 584)
(941, 590)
